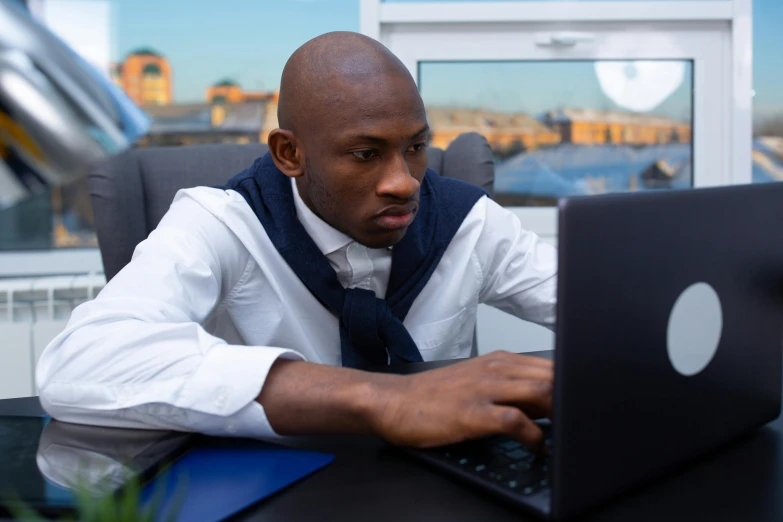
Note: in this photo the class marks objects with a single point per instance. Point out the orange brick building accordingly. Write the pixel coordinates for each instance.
(228, 91)
(591, 127)
(502, 130)
(146, 77)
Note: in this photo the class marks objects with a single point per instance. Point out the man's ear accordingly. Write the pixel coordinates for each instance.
(285, 153)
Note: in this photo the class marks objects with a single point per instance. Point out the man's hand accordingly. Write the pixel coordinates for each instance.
(498, 393)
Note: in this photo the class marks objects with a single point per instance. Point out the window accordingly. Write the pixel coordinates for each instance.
(151, 69)
(554, 130)
(767, 147)
(601, 108)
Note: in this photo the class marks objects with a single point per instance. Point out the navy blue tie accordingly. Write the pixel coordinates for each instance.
(371, 329)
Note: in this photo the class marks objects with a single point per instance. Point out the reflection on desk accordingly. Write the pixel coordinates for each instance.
(44, 462)
(101, 460)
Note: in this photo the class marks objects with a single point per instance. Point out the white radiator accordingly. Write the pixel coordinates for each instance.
(32, 312)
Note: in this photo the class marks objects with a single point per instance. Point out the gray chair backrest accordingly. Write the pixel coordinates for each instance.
(131, 192)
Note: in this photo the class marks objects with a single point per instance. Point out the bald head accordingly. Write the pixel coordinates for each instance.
(325, 73)
(353, 135)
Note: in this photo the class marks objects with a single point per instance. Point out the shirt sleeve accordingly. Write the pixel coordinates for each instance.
(137, 356)
(519, 270)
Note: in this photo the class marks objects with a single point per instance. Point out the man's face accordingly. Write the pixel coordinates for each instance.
(365, 157)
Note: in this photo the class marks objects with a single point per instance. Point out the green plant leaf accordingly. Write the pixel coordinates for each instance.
(129, 501)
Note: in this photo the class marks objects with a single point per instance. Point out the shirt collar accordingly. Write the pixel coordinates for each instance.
(327, 238)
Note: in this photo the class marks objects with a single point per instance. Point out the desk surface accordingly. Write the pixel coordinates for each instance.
(369, 481)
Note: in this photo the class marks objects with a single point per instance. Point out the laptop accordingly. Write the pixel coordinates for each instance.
(669, 339)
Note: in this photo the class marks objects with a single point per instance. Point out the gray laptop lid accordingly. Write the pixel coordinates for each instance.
(640, 389)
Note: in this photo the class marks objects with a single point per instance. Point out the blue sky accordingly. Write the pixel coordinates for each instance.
(531, 87)
(250, 40)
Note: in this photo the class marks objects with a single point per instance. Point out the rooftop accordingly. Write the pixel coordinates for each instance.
(573, 114)
(144, 51)
(480, 120)
(197, 117)
(226, 82)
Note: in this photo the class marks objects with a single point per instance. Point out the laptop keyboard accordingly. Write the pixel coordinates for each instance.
(500, 461)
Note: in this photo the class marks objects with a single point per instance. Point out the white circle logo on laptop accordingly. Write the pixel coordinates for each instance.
(695, 326)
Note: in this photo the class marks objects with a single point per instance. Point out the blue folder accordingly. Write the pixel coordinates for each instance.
(213, 482)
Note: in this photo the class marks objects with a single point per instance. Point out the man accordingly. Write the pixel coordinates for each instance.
(236, 314)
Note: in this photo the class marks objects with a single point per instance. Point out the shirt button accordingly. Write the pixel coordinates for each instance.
(221, 396)
(231, 427)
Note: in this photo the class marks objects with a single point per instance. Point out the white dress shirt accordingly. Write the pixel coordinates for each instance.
(184, 336)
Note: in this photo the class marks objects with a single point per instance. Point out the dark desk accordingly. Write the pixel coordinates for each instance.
(370, 481)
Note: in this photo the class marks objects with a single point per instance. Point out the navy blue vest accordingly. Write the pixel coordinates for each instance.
(371, 329)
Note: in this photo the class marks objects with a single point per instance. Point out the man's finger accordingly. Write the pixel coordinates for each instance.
(518, 358)
(531, 360)
(508, 370)
(531, 396)
(514, 424)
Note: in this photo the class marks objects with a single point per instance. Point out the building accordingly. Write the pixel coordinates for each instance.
(145, 76)
(229, 91)
(199, 123)
(503, 131)
(215, 121)
(593, 127)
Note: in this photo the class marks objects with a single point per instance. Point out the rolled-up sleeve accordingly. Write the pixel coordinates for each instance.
(138, 356)
(519, 270)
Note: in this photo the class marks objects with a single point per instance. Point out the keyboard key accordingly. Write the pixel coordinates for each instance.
(521, 466)
(518, 454)
(480, 467)
(510, 445)
(463, 461)
(528, 490)
(512, 484)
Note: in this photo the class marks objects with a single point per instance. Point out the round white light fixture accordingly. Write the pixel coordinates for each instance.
(639, 86)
